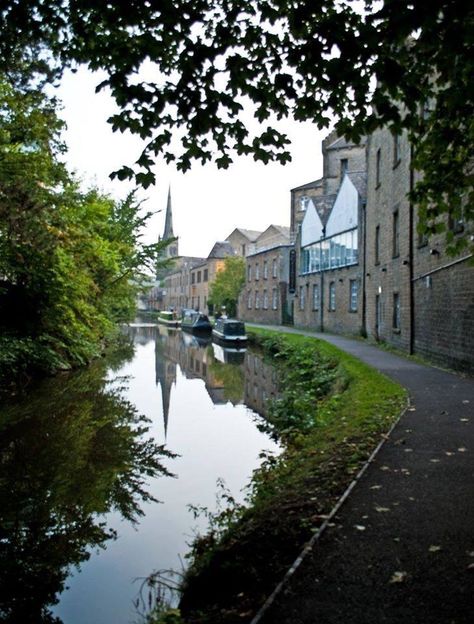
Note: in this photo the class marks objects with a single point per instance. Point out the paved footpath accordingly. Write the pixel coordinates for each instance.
(401, 550)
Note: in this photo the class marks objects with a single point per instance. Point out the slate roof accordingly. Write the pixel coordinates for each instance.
(252, 235)
(323, 205)
(309, 185)
(359, 180)
(341, 142)
(221, 249)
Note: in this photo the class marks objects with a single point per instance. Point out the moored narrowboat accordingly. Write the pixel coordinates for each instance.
(195, 322)
(229, 331)
(169, 318)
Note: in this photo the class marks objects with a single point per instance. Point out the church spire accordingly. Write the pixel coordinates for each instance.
(168, 233)
(171, 250)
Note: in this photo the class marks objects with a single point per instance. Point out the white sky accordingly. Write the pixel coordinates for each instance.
(208, 203)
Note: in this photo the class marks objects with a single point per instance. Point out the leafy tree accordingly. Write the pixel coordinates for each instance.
(71, 262)
(369, 64)
(225, 289)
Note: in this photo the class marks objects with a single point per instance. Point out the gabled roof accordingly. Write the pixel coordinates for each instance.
(341, 142)
(281, 229)
(323, 205)
(309, 185)
(221, 249)
(252, 235)
(344, 214)
(359, 180)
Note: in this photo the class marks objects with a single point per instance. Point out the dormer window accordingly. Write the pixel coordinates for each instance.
(304, 201)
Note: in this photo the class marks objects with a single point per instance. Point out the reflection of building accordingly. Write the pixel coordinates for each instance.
(260, 382)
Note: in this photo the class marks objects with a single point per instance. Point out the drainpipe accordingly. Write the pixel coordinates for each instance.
(321, 302)
(411, 348)
(364, 268)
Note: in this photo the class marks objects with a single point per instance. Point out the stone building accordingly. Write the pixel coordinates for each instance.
(418, 299)
(243, 241)
(328, 230)
(204, 273)
(264, 296)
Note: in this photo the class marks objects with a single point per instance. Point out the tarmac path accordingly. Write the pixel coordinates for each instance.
(401, 548)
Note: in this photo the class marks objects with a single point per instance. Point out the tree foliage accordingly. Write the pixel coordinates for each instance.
(188, 69)
(225, 289)
(67, 256)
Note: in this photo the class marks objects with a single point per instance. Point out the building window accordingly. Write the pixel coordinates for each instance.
(377, 244)
(274, 268)
(265, 300)
(331, 253)
(344, 166)
(353, 295)
(378, 158)
(257, 271)
(396, 149)
(249, 273)
(332, 296)
(265, 269)
(315, 297)
(304, 201)
(198, 277)
(396, 234)
(302, 297)
(396, 311)
(193, 278)
(206, 275)
(249, 301)
(243, 250)
(257, 300)
(274, 299)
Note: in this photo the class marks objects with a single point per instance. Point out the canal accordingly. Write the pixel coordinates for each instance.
(100, 468)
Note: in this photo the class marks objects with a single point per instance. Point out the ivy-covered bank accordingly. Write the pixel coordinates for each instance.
(331, 413)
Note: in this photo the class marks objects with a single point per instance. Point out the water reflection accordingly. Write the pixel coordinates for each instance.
(78, 449)
(73, 451)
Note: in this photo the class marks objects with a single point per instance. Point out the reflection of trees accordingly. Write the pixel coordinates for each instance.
(74, 450)
(231, 377)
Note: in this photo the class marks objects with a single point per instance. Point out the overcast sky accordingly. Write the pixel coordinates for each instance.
(207, 203)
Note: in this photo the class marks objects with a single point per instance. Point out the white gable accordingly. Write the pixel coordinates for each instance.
(344, 213)
(311, 227)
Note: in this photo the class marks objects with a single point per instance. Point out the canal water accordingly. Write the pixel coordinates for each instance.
(89, 506)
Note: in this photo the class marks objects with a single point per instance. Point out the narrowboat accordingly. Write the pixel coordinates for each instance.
(229, 331)
(195, 322)
(169, 318)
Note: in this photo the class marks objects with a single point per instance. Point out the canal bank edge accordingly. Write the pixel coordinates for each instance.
(312, 542)
(361, 445)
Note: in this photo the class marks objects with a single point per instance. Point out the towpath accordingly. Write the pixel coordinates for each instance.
(401, 548)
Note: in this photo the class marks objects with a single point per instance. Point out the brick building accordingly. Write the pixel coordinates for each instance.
(418, 299)
(204, 273)
(264, 296)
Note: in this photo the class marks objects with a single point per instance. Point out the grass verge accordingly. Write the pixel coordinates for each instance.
(331, 414)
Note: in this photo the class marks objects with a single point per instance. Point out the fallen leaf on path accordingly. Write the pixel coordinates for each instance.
(464, 419)
(359, 527)
(398, 577)
(381, 509)
(435, 461)
(466, 401)
(375, 487)
(463, 449)
(434, 548)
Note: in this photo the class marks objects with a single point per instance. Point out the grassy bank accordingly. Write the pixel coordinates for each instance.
(331, 413)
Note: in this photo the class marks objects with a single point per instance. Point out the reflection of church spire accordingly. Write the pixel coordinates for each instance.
(165, 374)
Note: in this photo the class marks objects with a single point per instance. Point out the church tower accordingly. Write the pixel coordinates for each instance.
(172, 249)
